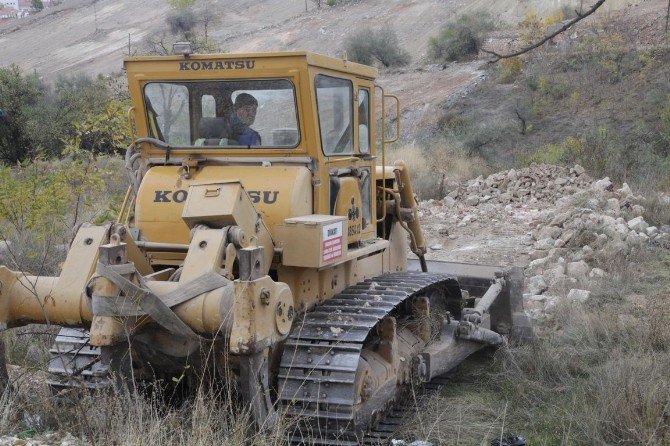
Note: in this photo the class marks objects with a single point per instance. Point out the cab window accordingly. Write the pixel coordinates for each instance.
(334, 98)
(364, 120)
(253, 113)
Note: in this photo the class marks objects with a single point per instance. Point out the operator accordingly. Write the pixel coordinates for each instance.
(242, 118)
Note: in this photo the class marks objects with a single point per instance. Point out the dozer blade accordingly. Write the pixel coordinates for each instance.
(507, 314)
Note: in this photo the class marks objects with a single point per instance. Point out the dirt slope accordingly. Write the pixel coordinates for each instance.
(66, 39)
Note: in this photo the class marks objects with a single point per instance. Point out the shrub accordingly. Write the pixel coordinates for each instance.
(461, 38)
(436, 162)
(510, 69)
(382, 45)
(181, 21)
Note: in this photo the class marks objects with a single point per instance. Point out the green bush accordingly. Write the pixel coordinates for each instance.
(368, 45)
(42, 120)
(461, 38)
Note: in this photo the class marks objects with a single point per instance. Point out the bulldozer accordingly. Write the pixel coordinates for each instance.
(264, 232)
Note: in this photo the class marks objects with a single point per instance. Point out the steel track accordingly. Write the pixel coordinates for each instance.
(321, 356)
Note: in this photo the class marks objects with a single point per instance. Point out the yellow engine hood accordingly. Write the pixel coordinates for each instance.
(278, 192)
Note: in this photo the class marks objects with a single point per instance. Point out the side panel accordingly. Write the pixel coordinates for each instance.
(277, 192)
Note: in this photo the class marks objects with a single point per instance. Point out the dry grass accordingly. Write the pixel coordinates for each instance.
(128, 418)
(437, 164)
(596, 374)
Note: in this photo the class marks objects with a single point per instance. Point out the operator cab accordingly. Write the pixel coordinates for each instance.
(297, 129)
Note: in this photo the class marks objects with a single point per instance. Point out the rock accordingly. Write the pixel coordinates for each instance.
(538, 263)
(633, 239)
(550, 305)
(652, 231)
(578, 270)
(559, 243)
(576, 295)
(602, 185)
(437, 247)
(549, 232)
(597, 273)
(613, 205)
(443, 230)
(448, 201)
(665, 229)
(545, 244)
(616, 248)
(537, 285)
(472, 200)
(625, 190)
(636, 209)
(537, 254)
(560, 219)
(638, 224)
(579, 170)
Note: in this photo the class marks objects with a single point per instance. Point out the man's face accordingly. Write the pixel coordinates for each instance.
(247, 114)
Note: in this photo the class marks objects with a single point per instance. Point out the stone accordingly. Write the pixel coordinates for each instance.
(597, 273)
(560, 219)
(549, 232)
(602, 185)
(472, 200)
(443, 230)
(616, 248)
(545, 244)
(559, 243)
(652, 231)
(537, 285)
(537, 254)
(538, 263)
(613, 205)
(448, 201)
(633, 239)
(625, 190)
(579, 170)
(636, 209)
(665, 229)
(577, 295)
(578, 270)
(638, 224)
(437, 247)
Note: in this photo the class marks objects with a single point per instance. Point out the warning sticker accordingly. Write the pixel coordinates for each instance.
(332, 242)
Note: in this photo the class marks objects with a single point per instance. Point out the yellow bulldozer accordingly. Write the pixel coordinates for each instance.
(264, 232)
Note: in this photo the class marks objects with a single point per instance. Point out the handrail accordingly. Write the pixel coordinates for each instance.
(130, 123)
(383, 141)
(397, 114)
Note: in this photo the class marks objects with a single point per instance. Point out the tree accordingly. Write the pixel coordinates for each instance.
(579, 17)
(19, 97)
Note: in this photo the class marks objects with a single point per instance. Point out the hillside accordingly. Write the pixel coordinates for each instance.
(82, 37)
(66, 40)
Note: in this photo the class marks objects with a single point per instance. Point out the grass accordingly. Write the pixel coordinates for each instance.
(595, 375)
(436, 164)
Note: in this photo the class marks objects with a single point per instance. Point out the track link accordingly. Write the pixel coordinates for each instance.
(75, 364)
(317, 374)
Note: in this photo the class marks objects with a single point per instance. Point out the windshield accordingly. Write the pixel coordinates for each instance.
(241, 113)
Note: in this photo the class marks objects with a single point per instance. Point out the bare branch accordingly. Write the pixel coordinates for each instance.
(564, 28)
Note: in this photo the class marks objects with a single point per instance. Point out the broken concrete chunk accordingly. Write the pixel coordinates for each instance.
(576, 295)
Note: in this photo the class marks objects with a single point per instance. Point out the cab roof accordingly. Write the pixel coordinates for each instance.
(309, 58)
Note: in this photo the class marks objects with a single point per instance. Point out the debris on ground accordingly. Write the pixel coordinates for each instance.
(565, 228)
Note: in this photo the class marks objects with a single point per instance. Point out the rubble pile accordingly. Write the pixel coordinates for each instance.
(578, 239)
(538, 182)
(576, 228)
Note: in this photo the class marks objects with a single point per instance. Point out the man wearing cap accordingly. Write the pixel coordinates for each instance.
(243, 117)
